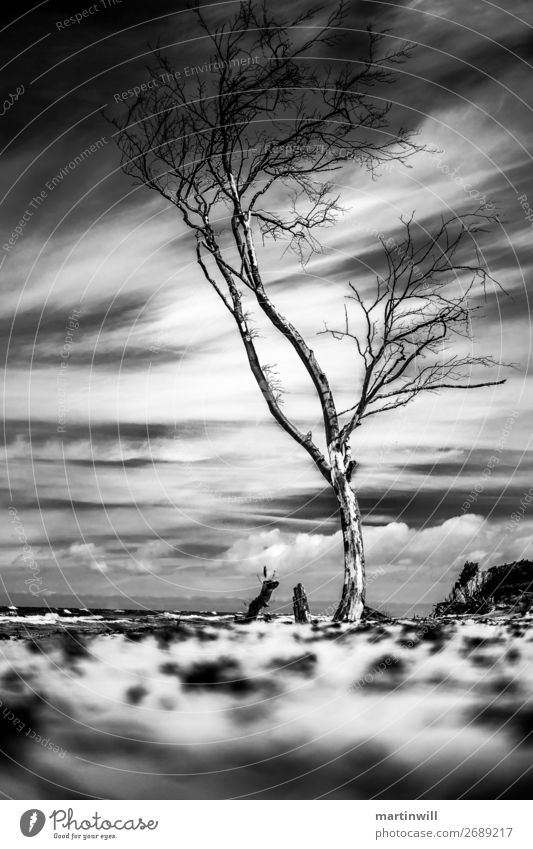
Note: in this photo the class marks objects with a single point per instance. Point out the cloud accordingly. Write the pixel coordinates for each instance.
(87, 554)
(433, 555)
(202, 469)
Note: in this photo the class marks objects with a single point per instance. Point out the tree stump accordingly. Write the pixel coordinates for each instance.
(261, 600)
(300, 605)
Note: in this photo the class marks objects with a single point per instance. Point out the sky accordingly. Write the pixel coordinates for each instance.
(140, 461)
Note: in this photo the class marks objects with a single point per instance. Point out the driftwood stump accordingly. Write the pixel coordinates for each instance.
(300, 605)
(256, 606)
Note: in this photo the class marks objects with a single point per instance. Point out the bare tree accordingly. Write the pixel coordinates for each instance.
(270, 118)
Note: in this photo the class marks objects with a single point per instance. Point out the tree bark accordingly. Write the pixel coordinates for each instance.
(352, 601)
(261, 600)
(300, 605)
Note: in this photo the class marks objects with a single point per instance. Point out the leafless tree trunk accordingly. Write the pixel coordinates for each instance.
(300, 606)
(352, 600)
(262, 600)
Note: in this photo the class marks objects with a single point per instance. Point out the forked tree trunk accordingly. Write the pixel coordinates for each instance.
(352, 601)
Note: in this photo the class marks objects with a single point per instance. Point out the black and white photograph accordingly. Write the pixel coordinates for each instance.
(267, 490)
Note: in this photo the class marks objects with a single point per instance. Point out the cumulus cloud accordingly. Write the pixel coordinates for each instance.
(88, 554)
(434, 554)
